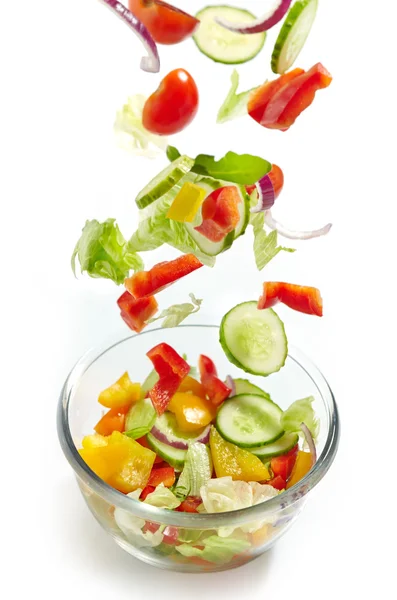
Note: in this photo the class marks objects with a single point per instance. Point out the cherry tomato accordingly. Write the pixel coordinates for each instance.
(165, 23)
(173, 105)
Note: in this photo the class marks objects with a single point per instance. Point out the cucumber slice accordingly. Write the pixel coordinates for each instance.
(277, 448)
(173, 456)
(249, 421)
(254, 340)
(293, 35)
(244, 209)
(243, 386)
(164, 181)
(166, 429)
(222, 45)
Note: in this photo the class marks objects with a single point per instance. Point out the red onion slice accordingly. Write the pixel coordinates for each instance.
(150, 63)
(181, 444)
(230, 384)
(266, 195)
(291, 234)
(271, 18)
(310, 442)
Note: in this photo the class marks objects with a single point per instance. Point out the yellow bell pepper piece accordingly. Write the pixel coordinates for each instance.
(122, 463)
(122, 393)
(192, 385)
(187, 203)
(302, 466)
(231, 460)
(192, 413)
(94, 441)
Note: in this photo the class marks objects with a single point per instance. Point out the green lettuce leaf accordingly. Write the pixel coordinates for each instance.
(196, 472)
(175, 314)
(149, 382)
(102, 252)
(140, 419)
(235, 105)
(130, 132)
(265, 248)
(216, 549)
(162, 497)
(132, 526)
(301, 411)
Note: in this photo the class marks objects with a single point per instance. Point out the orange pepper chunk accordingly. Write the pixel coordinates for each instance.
(113, 420)
(192, 413)
(192, 385)
(122, 393)
(302, 466)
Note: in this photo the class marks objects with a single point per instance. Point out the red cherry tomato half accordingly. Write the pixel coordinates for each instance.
(173, 105)
(165, 23)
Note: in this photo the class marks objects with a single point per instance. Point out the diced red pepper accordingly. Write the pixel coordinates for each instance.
(278, 103)
(302, 298)
(282, 465)
(206, 366)
(112, 420)
(150, 526)
(146, 491)
(220, 213)
(143, 442)
(277, 482)
(135, 312)
(165, 475)
(172, 369)
(190, 504)
(216, 390)
(170, 535)
(147, 283)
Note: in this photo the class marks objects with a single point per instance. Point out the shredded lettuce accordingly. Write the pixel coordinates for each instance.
(102, 252)
(196, 472)
(301, 411)
(162, 497)
(216, 549)
(140, 419)
(132, 526)
(235, 105)
(130, 132)
(175, 314)
(265, 248)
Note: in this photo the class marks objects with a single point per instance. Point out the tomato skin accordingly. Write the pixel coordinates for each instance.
(165, 23)
(173, 106)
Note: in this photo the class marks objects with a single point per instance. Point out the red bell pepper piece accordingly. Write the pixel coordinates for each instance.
(135, 312)
(150, 526)
(190, 504)
(220, 213)
(146, 491)
(164, 475)
(304, 299)
(282, 465)
(277, 482)
(147, 283)
(170, 535)
(216, 390)
(172, 369)
(260, 98)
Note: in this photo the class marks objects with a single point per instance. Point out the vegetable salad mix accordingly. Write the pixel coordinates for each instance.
(189, 438)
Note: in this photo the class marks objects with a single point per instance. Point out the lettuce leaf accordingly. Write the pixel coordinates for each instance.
(175, 314)
(265, 248)
(235, 105)
(216, 549)
(162, 497)
(102, 252)
(132, 526)
(130, 132)
(196, 472)
(140, 419)
(301, 411)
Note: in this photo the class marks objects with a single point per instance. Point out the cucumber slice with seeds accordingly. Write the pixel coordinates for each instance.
(293, 35)
(164, 181)
(222, 45)
(249, 421)
(254, 340)
(277, 448)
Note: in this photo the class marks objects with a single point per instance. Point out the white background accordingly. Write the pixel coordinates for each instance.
(65, 69)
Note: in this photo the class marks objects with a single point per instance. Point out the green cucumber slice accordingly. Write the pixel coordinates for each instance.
(277, 448)
(168, 430)
(293, 35)
(249, 421)
(164, 181)
(222, 45)
(173, 456)
(254, 340)
(243, 386)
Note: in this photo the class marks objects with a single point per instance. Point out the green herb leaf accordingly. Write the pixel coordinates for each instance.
(172, 153)
(175, 314)
(102, 252)
(235, 105)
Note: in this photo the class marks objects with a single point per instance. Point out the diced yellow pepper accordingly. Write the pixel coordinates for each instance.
(187, 203)
(189, 384)
(192, 413)
(122, 463)
(120, 394)
(230, 460)
(302, 466)
(94, 441)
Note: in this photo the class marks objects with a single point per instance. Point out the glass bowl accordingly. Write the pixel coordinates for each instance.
(123, 517)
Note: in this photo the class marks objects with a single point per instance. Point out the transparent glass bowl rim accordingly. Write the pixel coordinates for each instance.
(192, 520)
